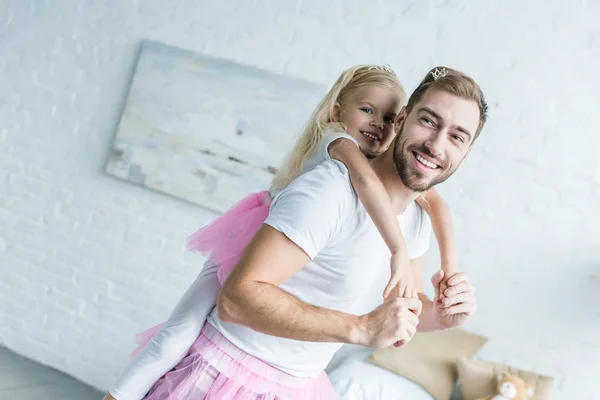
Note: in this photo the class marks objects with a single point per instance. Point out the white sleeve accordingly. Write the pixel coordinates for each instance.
(322, 153)
(312, 209)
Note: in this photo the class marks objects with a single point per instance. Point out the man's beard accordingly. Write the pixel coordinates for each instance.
(411, 177)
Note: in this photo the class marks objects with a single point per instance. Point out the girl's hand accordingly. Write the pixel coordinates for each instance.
(449, 270)
(401, 279)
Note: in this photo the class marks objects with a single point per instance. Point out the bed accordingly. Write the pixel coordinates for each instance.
(356, 379)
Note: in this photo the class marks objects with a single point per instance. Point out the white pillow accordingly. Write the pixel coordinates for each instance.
(355, 379)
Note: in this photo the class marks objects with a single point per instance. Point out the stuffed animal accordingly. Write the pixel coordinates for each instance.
(510, 387)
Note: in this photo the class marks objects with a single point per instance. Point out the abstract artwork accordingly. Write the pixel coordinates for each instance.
(206, 130)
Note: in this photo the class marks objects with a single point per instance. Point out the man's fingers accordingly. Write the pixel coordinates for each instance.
(463, 308)
(412, 318)
(408, 330)
(414, 305)
(457, 278)
(408, 307)
(410, 312)
(461, 287)
(412, 329)
(457, 299)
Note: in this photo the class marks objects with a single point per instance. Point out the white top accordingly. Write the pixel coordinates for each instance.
(321, 152)
(349, 267)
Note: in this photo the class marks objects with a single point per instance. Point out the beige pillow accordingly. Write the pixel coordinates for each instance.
(429, 359)
(478, 379)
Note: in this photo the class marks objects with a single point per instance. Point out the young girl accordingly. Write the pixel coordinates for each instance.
(355, 119)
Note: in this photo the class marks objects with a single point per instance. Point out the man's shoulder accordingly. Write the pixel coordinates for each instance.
(330, 178)
(313, 208)
(324, 192)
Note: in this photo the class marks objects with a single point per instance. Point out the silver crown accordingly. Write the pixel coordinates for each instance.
(439, 73)
(384, 68)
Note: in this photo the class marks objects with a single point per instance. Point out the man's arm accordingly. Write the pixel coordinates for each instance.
(251, 297)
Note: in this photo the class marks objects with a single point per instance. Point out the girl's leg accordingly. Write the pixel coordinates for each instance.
(174, 339)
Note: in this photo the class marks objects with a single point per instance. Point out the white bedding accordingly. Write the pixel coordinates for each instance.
(355, 379)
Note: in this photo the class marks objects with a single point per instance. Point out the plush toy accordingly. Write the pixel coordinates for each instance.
(510, 387)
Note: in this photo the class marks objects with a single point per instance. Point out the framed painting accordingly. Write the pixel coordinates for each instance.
(206, 130)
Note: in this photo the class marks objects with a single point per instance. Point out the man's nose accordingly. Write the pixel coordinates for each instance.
(435, 144)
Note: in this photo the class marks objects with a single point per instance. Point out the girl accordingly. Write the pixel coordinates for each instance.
(355, 119)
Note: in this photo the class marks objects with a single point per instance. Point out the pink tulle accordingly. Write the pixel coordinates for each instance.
(215, 369)
(143, 338)
(225, 239)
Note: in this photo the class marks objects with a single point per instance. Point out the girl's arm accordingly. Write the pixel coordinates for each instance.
(377, 203)
(441, 221)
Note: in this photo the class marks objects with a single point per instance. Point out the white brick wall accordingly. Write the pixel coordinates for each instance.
(87, 260)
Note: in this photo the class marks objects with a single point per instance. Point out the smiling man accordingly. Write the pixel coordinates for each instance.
(312, 277)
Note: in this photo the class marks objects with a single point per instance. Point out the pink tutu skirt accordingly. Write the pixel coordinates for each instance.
(225, 239)
(215, 369)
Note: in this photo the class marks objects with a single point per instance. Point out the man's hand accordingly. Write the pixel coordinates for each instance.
(401, 277)
(393, 321)
(458, 302)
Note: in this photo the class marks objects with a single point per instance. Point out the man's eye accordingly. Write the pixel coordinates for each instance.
(427, 121)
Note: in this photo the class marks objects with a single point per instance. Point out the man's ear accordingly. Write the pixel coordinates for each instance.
(399, 119)
(337, 112)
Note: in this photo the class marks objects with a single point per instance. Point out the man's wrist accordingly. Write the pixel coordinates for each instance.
(356, 334)
(429, 319)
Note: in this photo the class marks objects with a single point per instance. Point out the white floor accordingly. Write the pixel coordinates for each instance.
(22, 379)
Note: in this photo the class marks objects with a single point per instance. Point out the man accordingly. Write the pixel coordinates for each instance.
(313, 275)
(319, 214)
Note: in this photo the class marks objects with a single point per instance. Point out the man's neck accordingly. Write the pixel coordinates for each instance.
(400, 195)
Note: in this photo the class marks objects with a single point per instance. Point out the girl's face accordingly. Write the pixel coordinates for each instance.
(369, 116)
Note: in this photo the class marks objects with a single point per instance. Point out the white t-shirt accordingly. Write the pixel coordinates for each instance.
(349, 266)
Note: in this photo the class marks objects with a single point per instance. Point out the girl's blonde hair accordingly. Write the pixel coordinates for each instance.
(347, 84)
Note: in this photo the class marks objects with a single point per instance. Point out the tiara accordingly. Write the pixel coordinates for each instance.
(384, 68)
(439, 73)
